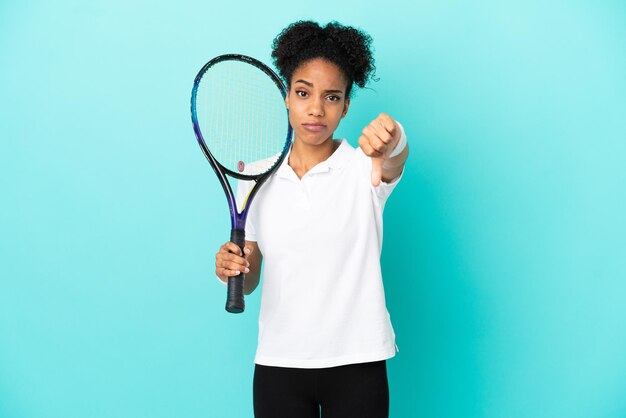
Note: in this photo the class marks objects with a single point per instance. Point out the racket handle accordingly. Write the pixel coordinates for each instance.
(234, 301)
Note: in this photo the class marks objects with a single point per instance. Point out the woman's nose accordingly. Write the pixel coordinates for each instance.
(316, 107)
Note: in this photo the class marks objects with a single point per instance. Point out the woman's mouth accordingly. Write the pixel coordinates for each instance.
(313, 127)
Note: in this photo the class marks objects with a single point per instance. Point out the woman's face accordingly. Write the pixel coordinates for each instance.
(317, 101)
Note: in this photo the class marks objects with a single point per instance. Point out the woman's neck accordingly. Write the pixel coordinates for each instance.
(304, 157)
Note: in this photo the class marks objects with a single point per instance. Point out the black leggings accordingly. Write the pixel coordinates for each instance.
(354, 390)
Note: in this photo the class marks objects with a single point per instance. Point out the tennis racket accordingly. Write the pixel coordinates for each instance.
(242, 125)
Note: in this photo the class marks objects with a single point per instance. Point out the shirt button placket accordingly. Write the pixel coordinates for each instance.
(303, 197)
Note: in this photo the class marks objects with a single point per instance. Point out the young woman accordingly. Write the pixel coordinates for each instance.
(324, 329)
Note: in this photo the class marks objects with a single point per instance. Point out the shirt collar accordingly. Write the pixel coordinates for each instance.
(336, 161)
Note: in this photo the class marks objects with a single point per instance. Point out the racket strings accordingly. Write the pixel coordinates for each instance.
(242, 116)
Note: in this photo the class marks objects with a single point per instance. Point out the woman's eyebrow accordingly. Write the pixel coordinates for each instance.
(308, 83)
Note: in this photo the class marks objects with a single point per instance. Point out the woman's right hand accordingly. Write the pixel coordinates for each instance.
(230, 262)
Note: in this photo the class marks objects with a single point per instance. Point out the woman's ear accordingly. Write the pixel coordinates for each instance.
(346, 105)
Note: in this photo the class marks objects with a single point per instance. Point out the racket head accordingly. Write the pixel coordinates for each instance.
(240, 117)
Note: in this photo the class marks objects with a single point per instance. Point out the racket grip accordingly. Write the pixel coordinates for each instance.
(235, 302)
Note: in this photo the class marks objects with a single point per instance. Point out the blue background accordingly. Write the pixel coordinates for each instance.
(505, 243)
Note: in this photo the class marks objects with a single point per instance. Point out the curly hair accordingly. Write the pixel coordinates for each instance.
(348, 48)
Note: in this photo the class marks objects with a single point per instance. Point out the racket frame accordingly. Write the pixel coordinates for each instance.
(235, 303)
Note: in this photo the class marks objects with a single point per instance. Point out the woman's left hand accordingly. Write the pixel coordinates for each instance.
(377, 141)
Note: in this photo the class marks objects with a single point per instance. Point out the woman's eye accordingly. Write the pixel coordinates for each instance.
(301, 93)
(334, 98)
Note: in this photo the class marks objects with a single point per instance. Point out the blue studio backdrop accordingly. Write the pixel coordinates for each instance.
(504, 254)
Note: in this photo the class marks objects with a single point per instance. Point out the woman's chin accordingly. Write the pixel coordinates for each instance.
(314, 140)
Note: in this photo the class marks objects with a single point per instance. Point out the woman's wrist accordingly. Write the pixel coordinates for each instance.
(401, 145)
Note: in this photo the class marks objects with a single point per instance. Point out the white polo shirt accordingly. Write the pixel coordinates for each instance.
(322, 301)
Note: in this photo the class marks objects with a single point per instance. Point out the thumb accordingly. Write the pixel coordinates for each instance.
(248, 250)
(377, 170)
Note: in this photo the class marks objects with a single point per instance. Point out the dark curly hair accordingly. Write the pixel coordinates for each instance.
(348, 48)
